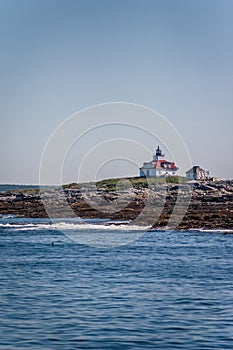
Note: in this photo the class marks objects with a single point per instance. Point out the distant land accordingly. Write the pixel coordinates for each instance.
(210, 207)
(14, 187)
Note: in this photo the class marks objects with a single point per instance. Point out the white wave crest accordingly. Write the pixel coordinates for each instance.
(64, 226)
(8, 216)
(214, 230)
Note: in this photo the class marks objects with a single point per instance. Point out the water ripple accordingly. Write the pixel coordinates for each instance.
(164, 291)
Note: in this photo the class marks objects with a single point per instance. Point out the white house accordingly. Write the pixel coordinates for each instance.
(158, 167)
(197, 173)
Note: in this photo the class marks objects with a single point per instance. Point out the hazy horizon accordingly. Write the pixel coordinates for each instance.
(57, 57)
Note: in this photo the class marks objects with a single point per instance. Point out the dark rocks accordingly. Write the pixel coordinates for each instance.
(211, 204)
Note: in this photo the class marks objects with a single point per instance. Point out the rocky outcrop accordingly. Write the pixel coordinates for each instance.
(203, 204)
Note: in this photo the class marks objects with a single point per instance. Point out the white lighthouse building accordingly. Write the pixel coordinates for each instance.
(158, 167)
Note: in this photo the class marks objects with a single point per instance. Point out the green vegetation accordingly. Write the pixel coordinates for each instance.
(176, 179)
(124, 183)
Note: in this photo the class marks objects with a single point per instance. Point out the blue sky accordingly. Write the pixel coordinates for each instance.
(57, 57)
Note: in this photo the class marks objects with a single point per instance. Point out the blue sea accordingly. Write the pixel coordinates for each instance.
(160, 290)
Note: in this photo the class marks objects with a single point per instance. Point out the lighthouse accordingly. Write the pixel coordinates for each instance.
(158, 166)
(158, 154)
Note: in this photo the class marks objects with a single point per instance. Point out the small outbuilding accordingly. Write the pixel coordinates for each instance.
(197, 173)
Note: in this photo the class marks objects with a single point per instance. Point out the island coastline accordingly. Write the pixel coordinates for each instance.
(210, 206)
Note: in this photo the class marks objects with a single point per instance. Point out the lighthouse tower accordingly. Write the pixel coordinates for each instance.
(158, 154)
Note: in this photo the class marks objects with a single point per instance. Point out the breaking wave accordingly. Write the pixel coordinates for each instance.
(74, 226)
(8, 216)
(213, 230)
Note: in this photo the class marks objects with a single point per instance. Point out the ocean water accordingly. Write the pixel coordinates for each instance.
(165, 290)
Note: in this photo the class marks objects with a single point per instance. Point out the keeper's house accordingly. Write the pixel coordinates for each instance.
(197, 173)
(158, 167)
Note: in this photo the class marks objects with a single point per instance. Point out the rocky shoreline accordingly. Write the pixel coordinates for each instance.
(193, 205)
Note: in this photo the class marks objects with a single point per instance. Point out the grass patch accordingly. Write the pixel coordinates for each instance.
(136, 182)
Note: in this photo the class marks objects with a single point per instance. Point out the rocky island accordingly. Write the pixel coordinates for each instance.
(209, 205)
